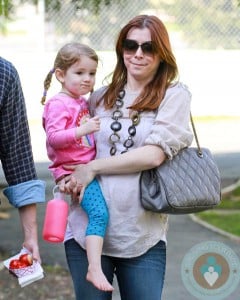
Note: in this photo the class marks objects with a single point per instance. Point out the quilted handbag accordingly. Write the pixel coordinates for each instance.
(188, 183)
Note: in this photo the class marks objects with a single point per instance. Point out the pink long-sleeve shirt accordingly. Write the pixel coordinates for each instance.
(62, 114)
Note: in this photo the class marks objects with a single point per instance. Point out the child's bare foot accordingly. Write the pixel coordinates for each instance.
(98, 279)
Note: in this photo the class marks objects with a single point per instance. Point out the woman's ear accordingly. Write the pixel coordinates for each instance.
(59, 75)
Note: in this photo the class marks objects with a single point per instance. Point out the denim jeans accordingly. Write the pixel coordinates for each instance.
(139, 278)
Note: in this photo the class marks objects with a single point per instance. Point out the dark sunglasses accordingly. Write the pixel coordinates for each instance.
(132, 46)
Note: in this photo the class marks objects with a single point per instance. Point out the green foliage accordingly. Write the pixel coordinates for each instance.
(4, 7)
(92, 5)
(52, 4)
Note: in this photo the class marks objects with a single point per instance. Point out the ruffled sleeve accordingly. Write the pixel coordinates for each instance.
(171, 130)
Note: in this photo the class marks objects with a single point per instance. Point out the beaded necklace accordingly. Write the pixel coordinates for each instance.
(116, 126)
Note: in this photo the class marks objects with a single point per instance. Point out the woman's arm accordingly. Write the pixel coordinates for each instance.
(136, 160)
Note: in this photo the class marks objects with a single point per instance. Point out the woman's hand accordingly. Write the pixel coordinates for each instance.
(76, 183)
(68, 185)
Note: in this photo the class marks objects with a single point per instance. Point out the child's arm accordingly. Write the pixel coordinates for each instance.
(55, 123)
(55, 119)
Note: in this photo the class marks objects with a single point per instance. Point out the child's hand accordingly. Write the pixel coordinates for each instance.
(92, 125)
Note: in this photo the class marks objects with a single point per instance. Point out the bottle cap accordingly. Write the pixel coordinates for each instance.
(57, 194)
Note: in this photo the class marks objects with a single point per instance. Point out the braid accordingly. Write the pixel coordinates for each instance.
(46, 85)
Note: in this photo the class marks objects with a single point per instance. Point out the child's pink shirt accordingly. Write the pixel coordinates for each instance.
(62, 114)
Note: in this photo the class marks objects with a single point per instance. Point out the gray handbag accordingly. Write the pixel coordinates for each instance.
(188, 183)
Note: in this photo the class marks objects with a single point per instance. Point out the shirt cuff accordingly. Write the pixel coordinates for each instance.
(26, 193)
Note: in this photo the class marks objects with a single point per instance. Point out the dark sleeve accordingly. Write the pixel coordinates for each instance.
(15, 145)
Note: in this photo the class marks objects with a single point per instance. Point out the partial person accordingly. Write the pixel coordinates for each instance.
(144, 113)
(70, 140)
(24, 189)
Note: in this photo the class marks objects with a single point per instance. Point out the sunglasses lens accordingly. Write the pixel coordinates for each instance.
(147, 47)
(132, 46)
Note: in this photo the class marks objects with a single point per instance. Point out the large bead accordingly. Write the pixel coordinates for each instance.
(113, 150)
(135, 118)
(117, 114)
(121, 94)
(128, 143)
(116, 126)
(132, 130)
(119, 103)
(114, 138)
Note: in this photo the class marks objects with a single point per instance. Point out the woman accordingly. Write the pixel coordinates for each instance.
(144, 115)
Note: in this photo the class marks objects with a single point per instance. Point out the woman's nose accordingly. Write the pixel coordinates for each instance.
(139, 52)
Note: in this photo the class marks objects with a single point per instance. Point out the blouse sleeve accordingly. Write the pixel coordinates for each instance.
(94, 98)
(171, 130)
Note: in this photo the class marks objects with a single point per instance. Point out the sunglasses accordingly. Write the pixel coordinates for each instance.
(132, 46)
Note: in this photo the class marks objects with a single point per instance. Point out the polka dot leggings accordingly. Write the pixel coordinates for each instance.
(95, 206)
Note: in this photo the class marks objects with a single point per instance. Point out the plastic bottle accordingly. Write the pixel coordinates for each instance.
(55, 220)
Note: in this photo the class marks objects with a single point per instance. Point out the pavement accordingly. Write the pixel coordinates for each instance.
(183, 232)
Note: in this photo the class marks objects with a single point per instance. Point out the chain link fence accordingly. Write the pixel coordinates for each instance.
(205, 37)
(197, 24)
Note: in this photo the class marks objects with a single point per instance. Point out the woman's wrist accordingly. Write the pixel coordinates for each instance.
(93, 165)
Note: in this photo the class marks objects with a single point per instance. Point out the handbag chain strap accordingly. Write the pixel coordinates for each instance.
(196, 138)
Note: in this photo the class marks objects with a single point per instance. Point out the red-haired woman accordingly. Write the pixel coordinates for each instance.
(144, 114)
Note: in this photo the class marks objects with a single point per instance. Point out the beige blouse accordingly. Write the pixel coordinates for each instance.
(132, 230)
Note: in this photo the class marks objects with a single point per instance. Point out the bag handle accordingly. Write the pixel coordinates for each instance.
(195, 135)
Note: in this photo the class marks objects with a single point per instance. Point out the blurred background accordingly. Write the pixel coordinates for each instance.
(205, 36)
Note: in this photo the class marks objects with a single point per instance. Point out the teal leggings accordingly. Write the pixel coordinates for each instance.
(95, 207)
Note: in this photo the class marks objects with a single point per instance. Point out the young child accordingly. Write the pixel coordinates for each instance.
(69, 131)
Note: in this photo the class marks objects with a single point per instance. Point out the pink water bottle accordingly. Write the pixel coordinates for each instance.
(55, 221)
